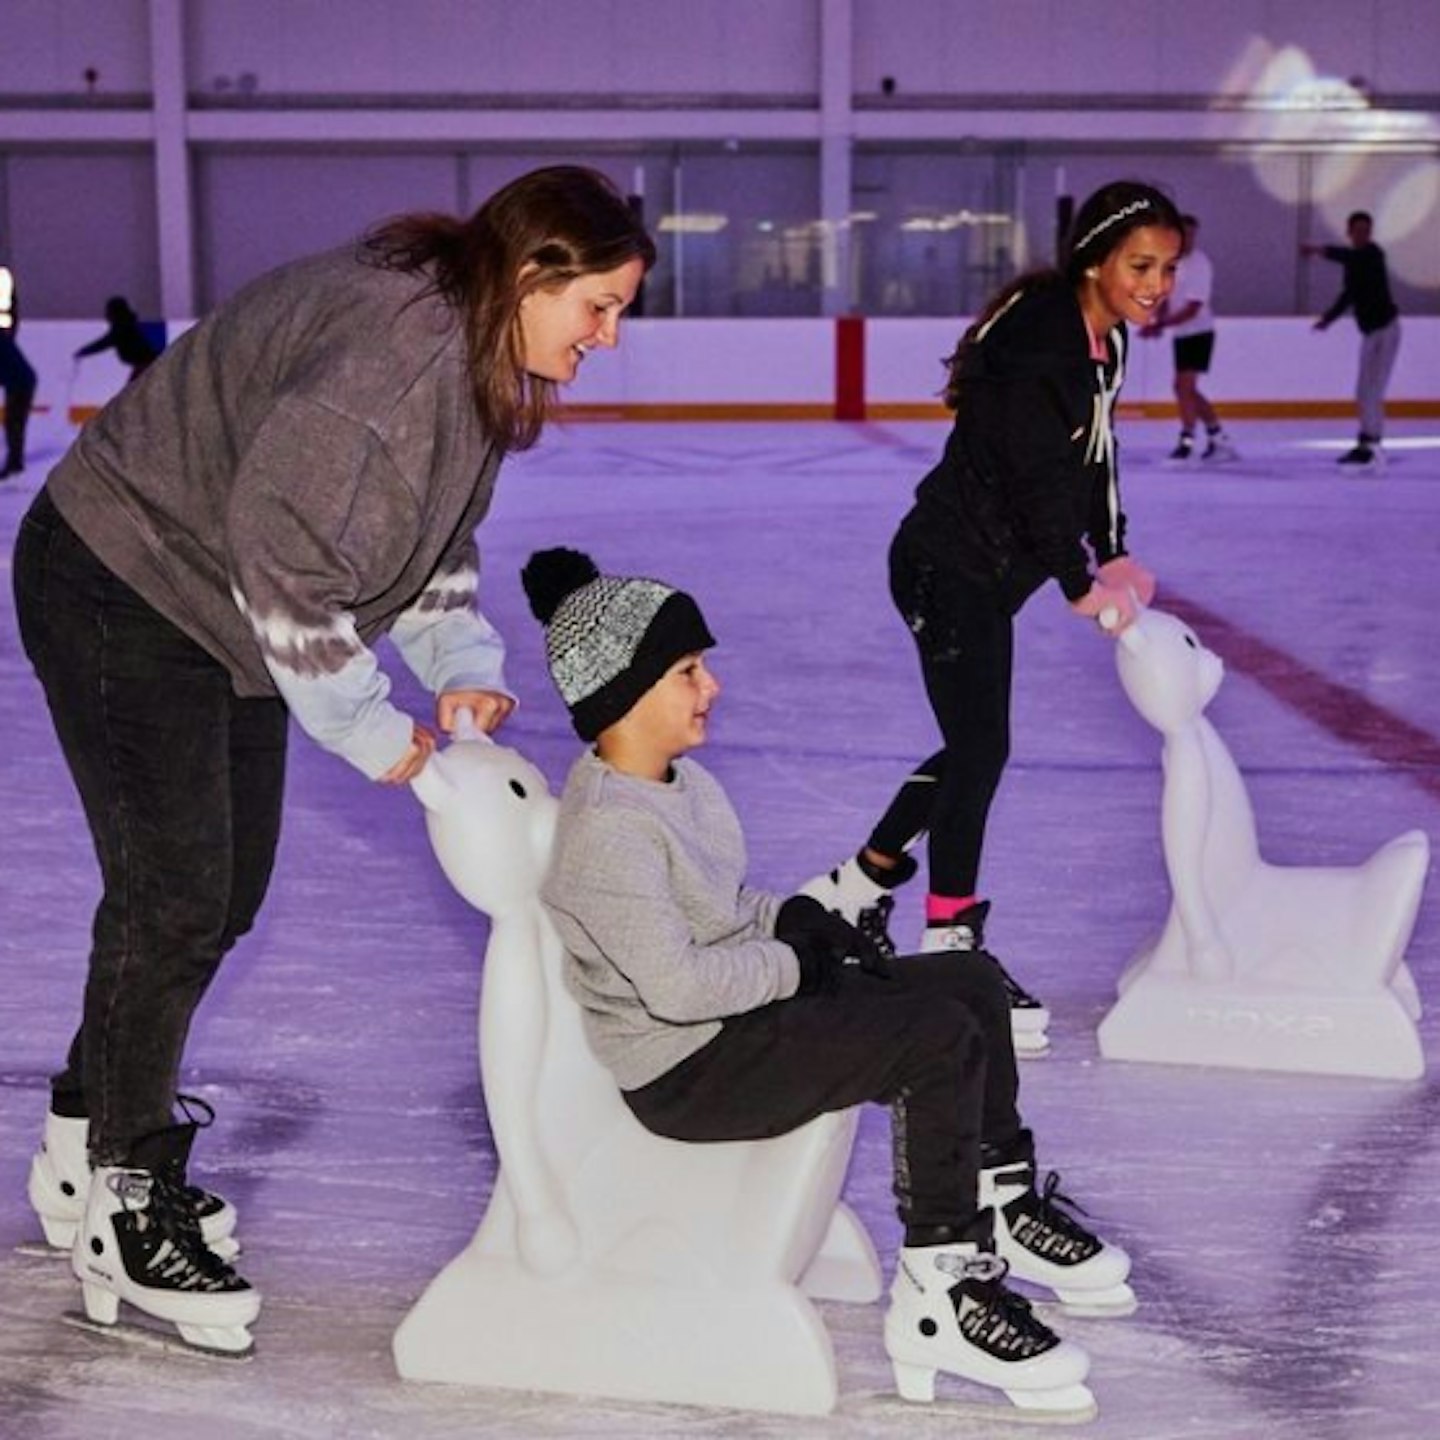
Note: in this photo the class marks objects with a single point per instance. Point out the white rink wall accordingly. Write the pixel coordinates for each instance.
(787, 368)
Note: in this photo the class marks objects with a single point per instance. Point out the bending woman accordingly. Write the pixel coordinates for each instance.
(296, 476)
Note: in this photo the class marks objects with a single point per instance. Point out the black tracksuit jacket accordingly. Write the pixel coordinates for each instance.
(1029, 476)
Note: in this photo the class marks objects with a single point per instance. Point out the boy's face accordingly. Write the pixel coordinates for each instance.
(672, 716)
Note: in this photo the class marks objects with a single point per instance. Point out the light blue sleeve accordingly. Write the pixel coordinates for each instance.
(347, 710)
(452, 650)
(443, 637)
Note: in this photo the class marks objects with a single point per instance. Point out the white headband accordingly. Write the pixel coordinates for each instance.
(1124, 213)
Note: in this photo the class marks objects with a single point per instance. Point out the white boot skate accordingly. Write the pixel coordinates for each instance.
(950, 1311)
(864, 902)
(1047, 1246)
(138, 1243)
(1219, 449)
(60, 1183)
(1029, 1019)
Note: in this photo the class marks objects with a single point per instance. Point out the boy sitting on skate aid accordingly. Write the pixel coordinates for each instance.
(727, 1013)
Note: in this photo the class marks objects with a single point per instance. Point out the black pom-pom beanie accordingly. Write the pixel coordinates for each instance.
(608, 638)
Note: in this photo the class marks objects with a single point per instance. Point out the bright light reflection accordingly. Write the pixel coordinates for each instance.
(1409, 206)
(1297, 108)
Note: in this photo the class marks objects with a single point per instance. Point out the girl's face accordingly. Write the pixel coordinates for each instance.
(558, 326)
(1132, 280)
(668, 721)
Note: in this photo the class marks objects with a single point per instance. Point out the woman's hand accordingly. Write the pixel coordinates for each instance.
(489, 707)
(1112, 607)
(412, 762)
(1125, 572)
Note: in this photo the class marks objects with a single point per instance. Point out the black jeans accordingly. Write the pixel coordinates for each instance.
(967, 646)
(181, 783)
(933, 1043)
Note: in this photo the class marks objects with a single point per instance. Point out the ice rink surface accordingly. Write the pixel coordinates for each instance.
(1285, 1229)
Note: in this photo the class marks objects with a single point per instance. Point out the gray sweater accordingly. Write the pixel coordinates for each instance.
(647, 889)
(298, 474)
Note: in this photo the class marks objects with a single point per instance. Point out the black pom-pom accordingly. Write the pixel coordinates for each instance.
(550, 575)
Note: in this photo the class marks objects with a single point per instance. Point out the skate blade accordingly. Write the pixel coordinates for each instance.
(886, 1403)
(227, 1249)
(170, 1342)
(1096, 1309)
(41, 1250)
(1050, 1304)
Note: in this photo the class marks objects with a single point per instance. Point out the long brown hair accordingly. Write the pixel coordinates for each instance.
(564, 221)
(1101, 223)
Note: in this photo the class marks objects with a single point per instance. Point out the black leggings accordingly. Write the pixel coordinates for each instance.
(967, 645)
(181, 782)
(933, 1043)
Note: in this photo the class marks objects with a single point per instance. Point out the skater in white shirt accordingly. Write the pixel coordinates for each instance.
(1191, 322)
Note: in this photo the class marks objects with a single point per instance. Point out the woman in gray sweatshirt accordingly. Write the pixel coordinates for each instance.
(297, 475)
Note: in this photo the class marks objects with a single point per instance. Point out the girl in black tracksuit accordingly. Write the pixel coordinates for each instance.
(1026, 491)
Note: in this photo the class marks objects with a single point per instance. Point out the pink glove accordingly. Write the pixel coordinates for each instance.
(1124, 572)
(1113, 608)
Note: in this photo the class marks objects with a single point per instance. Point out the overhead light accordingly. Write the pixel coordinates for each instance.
(693, 222)
(953, 221)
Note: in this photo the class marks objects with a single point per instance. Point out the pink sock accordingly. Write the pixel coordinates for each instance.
(942, 909)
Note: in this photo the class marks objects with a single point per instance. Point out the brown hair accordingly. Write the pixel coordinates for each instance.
(1100, 224)
(564, 221)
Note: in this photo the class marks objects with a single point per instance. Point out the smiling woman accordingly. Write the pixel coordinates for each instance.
(560, 323)
(298, 475)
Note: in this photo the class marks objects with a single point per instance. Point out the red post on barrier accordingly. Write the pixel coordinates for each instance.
(850, 367)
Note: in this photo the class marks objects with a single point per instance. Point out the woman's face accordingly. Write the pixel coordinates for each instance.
(1132, 280)
(558, 326)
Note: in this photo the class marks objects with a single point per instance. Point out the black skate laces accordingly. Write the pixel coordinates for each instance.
(200, 1115)
(1044, 1229)
(873, 922)
(968, 937)
(1020, 998)
(197, 1112)
(996, 1319)
(165, 1232)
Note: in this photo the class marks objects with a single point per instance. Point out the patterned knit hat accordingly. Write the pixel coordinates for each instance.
(608, 638)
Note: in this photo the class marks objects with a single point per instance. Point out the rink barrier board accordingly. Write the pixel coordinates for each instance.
(722, 413)
(854, 368)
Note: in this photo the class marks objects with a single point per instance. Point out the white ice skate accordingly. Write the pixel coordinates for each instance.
(950, 1311)
(60, 1184)
(1219, 449)
(865, 903)
(1047, 1246)
(137, 1244)
(1029, 1019)
(1183, 456)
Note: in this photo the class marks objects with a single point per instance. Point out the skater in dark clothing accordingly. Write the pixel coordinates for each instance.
(219, 552)
(1366, 293)
(18, 380)
(1026, 492)
(728, 1013)
(125, 337)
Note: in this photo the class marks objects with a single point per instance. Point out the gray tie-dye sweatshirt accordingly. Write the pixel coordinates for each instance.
(298, 474)
(647, 890)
